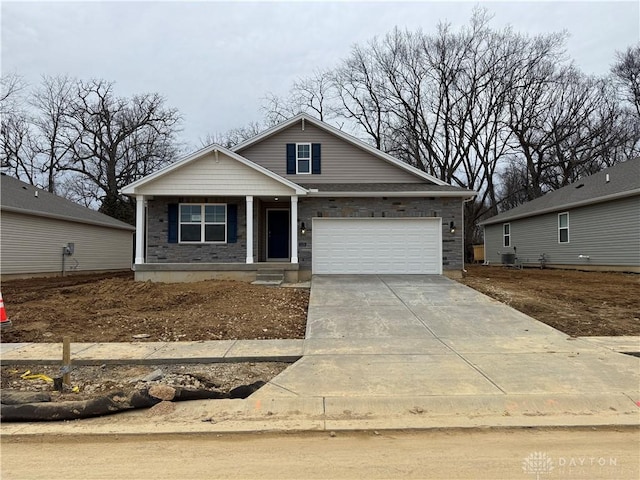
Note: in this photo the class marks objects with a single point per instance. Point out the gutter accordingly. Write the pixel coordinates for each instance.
(450, 194)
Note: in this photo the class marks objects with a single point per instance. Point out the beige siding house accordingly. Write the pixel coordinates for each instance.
(301, 198)
(43, 234)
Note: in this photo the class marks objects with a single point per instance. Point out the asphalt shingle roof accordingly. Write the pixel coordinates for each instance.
(17, 196)
(624, 180)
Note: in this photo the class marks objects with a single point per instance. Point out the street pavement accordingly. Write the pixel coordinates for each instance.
(389, 352)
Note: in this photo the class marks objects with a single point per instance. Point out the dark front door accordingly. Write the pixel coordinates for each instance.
(277, 234)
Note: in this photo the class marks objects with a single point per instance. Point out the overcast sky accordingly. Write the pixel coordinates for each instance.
(215, 61)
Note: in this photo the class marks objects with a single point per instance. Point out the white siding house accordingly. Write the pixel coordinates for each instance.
(36, 225)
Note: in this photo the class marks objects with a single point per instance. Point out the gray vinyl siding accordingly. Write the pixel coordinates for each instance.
(33, 244)
(609, 233)
(341, 161)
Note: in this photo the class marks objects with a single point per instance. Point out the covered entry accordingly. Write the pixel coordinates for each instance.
(377, 245)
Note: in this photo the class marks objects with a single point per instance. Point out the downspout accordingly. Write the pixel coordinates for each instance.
(463, 231)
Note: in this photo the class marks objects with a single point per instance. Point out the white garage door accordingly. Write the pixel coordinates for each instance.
(377, 245)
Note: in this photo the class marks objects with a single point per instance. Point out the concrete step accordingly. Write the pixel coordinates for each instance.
(269, 277)
(270, 271)
(267, 283)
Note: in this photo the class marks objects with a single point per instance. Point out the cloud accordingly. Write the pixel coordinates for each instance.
(214, 61)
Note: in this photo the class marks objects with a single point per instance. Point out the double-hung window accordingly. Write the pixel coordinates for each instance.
(506, 234)
(303, 158)
(203, 223)
(563, 227)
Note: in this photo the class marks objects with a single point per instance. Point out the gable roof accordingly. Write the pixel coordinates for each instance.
(303, 117)
(20, 197)
(621, 180)
(131, 188)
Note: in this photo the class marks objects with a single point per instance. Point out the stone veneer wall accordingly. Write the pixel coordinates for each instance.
(160, 251)
(449, 209)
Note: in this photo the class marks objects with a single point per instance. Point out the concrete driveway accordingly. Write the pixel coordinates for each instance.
(408, 336)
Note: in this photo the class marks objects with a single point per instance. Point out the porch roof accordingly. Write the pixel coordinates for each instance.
(213, 170)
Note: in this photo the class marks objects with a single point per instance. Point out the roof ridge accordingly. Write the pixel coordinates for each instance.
(618, 181)
(22, 197)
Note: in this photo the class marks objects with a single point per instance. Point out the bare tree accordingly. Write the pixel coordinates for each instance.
(11, 87)
(513, 188)
(626, 71)
(359, 88)
(17, 154)
(234, 136)
(309, 95)
(119, 140)
(54, 139)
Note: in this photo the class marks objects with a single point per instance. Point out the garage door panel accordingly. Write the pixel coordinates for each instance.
(377, 245)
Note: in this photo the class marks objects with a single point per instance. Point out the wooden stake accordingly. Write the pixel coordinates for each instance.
(66, 360)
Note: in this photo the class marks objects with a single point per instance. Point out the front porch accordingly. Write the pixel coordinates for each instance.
(194, 272)
(256, 230)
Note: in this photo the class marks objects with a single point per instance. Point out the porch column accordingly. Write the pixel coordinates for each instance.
(140, 233)
(249, 222)
(294, 229)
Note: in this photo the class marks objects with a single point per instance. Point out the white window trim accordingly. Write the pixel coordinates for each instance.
(203, 224)
(506, 235)
(298, 172)
(563, 228)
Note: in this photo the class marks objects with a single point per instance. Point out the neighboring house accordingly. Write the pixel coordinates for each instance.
(319, 201)
(592, 224)
(36, 228)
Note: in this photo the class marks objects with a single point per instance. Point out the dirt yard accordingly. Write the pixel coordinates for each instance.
(114, 308)
(576, 303)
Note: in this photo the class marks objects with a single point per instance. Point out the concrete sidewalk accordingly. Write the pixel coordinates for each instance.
(389, 352)
(150, 353)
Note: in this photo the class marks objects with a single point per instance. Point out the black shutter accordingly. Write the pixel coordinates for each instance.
(291, 158)
(315, 158)
(172, 220)
(232, 223)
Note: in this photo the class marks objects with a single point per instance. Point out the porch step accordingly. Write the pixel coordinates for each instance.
(269, 277)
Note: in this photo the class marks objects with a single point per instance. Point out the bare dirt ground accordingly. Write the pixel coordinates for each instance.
(576, 303)
(114, 308)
